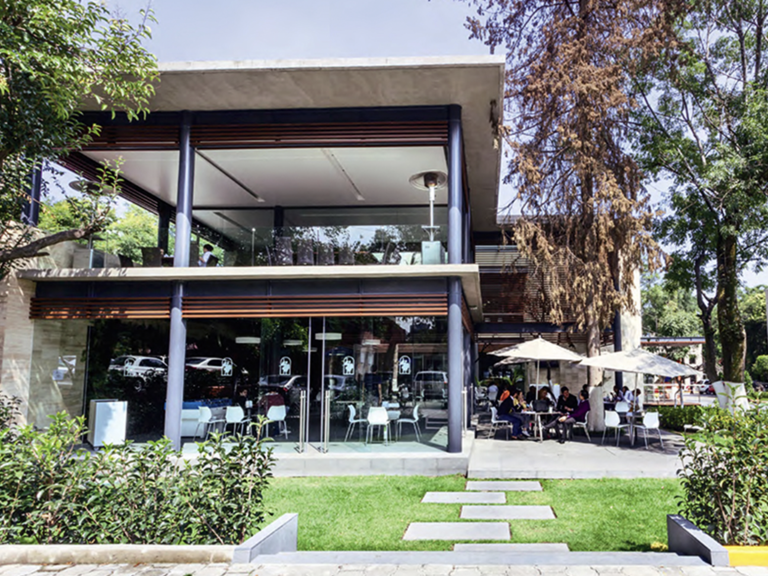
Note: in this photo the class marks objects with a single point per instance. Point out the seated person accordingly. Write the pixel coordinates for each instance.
(567, 402)
(530, 397)
(505, 393)
(543, 403)
(565, 422)
(493, 392)
(627, 396)
(507, 412)
(519, 406)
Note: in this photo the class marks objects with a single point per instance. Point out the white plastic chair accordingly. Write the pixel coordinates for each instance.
(650, 422)
(377, 416)
(583, 425)
(414, 420)
(393, 410)
(612, 420)
(622, 408)
(206, 420)
(352, 421)
(278, 414)
(495, 422)
(235, 416)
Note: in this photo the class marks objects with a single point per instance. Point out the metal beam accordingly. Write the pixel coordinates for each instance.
(31, 211)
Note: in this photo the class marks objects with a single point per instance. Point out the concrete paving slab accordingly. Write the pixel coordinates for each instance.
(506, 513)
(515, 547)
(504, 486)
(464, 498)
(457, 531)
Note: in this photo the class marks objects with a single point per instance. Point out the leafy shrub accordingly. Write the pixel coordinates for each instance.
(760, 368)
(724, 476)
(9, 411)
(54, 493)
(676, 417)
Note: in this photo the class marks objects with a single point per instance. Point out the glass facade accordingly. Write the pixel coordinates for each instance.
(342, 368)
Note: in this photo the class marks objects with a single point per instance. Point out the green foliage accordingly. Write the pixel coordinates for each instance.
(9, 411)
(725, 478)
(669, 310)
(56, 55)
(753, 311)
(760, 368)
(54, 493)
(676, 417)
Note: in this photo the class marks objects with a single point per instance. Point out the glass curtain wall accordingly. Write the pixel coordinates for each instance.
(343, 368)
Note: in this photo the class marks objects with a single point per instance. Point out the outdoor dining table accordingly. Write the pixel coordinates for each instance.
(632, 420)
(537, 420)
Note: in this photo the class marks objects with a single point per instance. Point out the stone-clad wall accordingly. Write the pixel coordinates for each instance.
(17, 337)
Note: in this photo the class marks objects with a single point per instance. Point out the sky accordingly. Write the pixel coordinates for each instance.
(307, 29)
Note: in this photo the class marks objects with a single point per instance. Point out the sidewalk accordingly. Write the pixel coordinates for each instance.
(372, 570)
(500, 458)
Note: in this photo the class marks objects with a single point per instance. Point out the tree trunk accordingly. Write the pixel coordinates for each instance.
(706, 306)
(733, 337)
(596, 421)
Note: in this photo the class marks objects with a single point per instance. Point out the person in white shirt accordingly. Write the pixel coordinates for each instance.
(627, 397)
(207, 253)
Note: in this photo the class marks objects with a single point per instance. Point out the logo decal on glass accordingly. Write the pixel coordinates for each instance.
(285, 366)
(404, 365)
(348, 366)
(226, 367)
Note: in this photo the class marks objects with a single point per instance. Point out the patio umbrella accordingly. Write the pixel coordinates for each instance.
(537, 350)
(639, 361)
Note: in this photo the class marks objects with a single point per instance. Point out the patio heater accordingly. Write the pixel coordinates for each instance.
(431, 250)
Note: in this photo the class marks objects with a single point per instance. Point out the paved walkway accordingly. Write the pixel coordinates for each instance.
(371, 570)
(500, 458)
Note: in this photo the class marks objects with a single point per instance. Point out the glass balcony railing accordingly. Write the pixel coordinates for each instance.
(269, 246)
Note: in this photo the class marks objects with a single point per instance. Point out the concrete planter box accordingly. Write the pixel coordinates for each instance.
(279, 536)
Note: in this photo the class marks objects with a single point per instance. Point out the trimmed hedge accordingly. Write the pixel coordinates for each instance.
(676, 417)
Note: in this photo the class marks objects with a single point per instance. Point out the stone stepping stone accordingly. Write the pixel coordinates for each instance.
(504, 485)
(457, 531)
(464, 498)
(517, 548)
(506, 513)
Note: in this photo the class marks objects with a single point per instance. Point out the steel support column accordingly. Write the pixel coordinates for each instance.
(178, 338)
(455, 253)
(163, 226)
(31, 212)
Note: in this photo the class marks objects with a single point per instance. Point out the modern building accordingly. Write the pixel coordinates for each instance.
(318, 227)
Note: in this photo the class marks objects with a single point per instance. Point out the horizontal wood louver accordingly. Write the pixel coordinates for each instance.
(315, 306)
(99, 308)
(277, 135)
(320, 135)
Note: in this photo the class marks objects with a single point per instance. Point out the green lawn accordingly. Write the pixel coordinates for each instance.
(372, 512)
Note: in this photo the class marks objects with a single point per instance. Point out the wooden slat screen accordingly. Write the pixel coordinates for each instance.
(316, 306)
(213, 136)
(317, 135)
(99, 308)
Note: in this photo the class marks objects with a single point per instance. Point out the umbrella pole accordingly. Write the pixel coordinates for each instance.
(538, 375)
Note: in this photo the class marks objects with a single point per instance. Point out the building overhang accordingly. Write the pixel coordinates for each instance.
(468, 273)
(473, 82)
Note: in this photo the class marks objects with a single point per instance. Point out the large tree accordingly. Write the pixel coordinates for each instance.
(585, 219)
(54, 55)
(705, 125)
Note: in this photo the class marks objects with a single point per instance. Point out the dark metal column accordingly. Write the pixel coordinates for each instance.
(178, 339)
(31, 211)
(455, 327)
(163, 226)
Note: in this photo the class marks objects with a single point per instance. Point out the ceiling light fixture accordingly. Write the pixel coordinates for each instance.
(291, 342)
(328, 336)
(371, 342)
(248, 340)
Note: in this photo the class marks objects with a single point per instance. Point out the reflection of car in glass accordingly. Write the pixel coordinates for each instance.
(138, 366)
(431, 384)
(208, 364)
(289, 387)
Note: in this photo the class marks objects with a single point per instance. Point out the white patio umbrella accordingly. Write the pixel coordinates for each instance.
(639, 361)
(537, 350)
